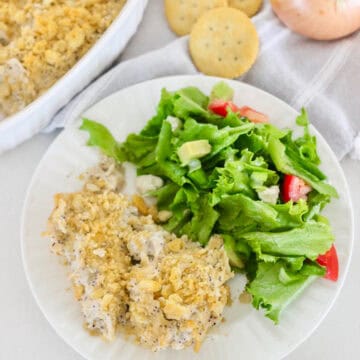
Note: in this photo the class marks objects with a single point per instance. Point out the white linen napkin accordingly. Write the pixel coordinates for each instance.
(324, 77)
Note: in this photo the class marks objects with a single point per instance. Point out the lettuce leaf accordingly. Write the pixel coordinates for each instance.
(287, 165)
(271, 292)
(165, 195)
(164, 109)
(101, 137)
(240, 214)
(190, 102)
(306, 144)
(221, 91)
(203, 220)
(310, 240)
(245, 176)
(218, 138)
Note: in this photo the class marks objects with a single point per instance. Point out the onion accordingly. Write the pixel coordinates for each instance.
(319, 19)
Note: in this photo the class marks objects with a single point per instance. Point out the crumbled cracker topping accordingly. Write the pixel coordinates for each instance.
(40, 40)
(129, 274)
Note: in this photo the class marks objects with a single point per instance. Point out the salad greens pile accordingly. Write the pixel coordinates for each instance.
(220, 188)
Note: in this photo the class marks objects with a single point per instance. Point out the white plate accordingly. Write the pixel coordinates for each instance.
(33, 118)
(246, 333)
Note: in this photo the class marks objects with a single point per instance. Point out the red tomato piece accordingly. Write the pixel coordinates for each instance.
(331, 262)
(220, 107)
(253, 115)
(294, 188)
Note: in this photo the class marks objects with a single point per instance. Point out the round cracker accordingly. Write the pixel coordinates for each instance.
(183, 14)
(224, 42)
(249, 7)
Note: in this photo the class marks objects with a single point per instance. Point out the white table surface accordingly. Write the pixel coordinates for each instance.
(24, 332)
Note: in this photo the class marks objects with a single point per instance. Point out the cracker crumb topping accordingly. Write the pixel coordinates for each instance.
(40, 40)
(130, 274)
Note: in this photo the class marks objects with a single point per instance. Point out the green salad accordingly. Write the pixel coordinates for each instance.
(227, 170)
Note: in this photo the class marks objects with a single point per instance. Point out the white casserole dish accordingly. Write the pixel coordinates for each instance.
(29, 121)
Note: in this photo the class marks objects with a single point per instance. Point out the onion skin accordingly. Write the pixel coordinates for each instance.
(319, 19)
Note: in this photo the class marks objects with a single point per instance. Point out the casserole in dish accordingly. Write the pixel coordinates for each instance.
(35, 116)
